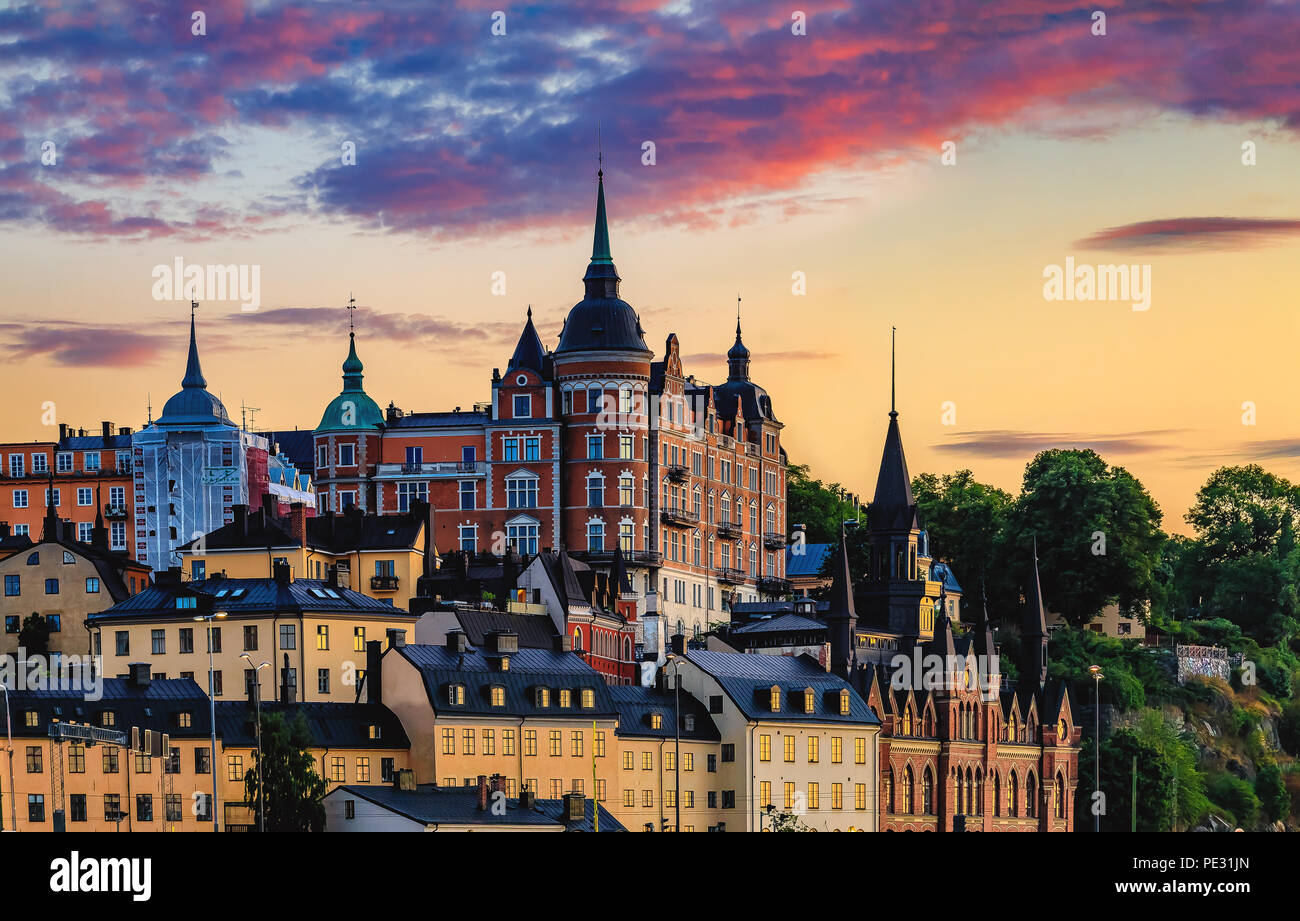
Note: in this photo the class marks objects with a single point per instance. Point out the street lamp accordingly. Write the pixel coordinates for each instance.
(257, 704)
(212, 711)
(13, 794)
(1095, 671)
(675, 664)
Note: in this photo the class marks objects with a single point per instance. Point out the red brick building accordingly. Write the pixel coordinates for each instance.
(587, 447)
(958, 746)
(91, 475)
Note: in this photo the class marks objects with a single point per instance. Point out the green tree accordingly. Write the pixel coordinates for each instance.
(293, 788)
(964, 519)
(1178, 749)
(34, 636)
(1073, 502)
(1155, 785)
(819, 506)
(1242, 511)
(1236, 797)
(1271, 790)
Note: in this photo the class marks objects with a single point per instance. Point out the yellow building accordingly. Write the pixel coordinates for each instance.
(312, 633)
(359, 744)
(381, 556)
(541, 718)
(104, 786)
(664, 770)
(794, 738)
(65, 581)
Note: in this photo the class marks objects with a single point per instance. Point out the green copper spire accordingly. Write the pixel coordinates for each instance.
(352, 366)
(600, 254)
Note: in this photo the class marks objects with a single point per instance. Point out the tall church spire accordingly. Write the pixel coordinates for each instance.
(193, 372)
(738, 355)
(842, 616)
(1033, 632)
(601, 280)
(893, 508)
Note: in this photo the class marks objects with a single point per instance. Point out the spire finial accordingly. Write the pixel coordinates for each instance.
(893, 411)
(600, 153)
(352, 312)
(530, 311)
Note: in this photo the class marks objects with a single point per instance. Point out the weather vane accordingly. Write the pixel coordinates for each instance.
(352, 307)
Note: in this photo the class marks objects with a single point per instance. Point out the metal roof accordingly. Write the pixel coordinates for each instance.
(245, 596)
(432, 805)
(808, 563)
(785, 623)
(748, 678)
(330, 725)
(637, 704)
(154, 706)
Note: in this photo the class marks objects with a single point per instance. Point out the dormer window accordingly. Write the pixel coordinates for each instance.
(32, 719)
(588, 698)
(688, 722)
(498, 696)
(543, 697)
(774, 699)
(656, 721)
(808, 700)
(566, 698)
(844, 702)
(456, 695)
(375, 731)
(190, 602)
(184, 719)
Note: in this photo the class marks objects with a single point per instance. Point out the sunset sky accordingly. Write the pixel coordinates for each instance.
(775, 154)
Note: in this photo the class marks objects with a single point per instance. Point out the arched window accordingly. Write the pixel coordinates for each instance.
(1058, 796)
(809, 698)
(1031, 796)
(970, 792)
(957, 794)
(997, 795)
(774, 698)
(887, 790)
(577, 639)
(907, 720)
(1011, 794)
(979, 792)
(908, 780)
(927, 792)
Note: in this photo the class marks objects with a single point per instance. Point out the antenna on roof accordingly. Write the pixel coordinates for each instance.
(245, 411)
(149, 402)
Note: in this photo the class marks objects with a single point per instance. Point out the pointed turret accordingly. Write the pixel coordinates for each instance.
(620, 581)
(352, 409)
(1033, 632)
(528, 351)
(738, 358)
(53, 526)
(893, 508)
(193, 371)
(842, 616)
(602, 277)
(193, 404)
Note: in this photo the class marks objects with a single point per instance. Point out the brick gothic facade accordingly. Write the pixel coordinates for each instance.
(957, 745)
(583, 447)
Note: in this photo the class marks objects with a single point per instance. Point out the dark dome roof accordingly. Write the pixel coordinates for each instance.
(193, 404)
(601, 320)
(599, 323)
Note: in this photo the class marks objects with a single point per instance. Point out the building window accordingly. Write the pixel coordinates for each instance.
(323, 636)
(764, 748)
(347, 455)
(338, 769)
(595, 537)
(789, 749)
(51, 586)
(467, 494)
(523, 406)
(158, 638)
(521, 492)
(468, 538)
(13, 586)
(288, 636)
(498, 696)
(322, 680)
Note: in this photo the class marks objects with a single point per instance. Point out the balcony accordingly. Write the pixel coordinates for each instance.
(632, 558)
(773, 540)
(383, 583)
(672, 514)
(730, 576)
(677, 472)
(115, 510)
(774, 585)
(729, 529)
(433, 469)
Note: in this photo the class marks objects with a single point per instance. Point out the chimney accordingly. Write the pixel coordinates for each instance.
(679, 644)
(563, 643)
(374, 679)
(332, 575)
(404, 779)
(168, 576)
(497, 783)
(298, 523)
(575, 808)
(270, 506)
(457, 641)
(124, 430)
(396, 638)
(138, 674)
(63, 432)
(526, 798)
(430, 549)
(241, 519)
(503, 641)
(4, 530)
(482, 793)
(282, 572)
(108, 431)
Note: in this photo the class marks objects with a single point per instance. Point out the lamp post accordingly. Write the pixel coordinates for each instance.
(13, 794)
(212, 711)
(257, 705)
(675, 664)
(1095, 671)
